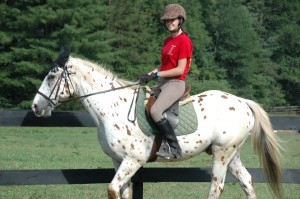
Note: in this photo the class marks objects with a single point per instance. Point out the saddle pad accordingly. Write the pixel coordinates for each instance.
(188, 121)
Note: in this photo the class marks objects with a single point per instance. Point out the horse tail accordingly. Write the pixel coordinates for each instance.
(266, 145)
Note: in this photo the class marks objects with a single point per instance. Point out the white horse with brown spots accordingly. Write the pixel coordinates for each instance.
(224, 123)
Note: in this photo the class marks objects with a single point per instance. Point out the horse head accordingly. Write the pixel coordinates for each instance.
(56, 86)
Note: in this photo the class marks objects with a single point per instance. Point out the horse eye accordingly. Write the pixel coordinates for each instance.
(50, 77)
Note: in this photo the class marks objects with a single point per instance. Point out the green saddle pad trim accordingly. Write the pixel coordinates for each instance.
(188, 121)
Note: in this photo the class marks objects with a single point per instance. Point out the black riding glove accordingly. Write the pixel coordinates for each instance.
(144, 79)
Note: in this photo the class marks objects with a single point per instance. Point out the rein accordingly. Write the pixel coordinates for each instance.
(109, 90)
(65, 74)
(100, 92)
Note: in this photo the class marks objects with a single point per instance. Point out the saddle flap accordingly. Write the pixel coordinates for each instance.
(149, 104)
(188, 122)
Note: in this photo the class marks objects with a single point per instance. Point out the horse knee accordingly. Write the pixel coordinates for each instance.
(112, 193)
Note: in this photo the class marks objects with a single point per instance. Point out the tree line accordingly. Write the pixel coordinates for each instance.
(249, 48)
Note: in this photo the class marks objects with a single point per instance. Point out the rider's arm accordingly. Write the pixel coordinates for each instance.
(179, 70)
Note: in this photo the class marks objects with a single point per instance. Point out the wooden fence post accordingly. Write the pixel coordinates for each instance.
(137, 190)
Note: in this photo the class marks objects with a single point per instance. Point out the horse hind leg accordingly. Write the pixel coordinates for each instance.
(237, 169)
(221, 158)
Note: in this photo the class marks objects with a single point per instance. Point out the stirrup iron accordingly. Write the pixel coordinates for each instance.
(163, 153)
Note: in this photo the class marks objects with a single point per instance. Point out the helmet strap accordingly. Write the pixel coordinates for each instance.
(175, 31)
(179, 25)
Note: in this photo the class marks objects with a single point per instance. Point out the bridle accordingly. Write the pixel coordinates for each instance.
(65, 74)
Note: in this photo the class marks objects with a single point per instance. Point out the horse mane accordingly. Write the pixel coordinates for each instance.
(103, 69)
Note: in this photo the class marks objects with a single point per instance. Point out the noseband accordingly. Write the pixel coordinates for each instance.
(65, 74)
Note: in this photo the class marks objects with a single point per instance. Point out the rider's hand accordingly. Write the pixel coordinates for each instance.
(147, 78)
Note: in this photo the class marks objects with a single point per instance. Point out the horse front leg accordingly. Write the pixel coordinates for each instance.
(125, 191)
(122, 179)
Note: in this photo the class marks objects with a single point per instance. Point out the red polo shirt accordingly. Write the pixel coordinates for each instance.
(174, 49)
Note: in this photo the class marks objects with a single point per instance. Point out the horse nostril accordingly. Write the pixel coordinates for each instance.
(34, 107)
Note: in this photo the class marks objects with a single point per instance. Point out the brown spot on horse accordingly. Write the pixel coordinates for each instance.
(232, 108)
(117, 126)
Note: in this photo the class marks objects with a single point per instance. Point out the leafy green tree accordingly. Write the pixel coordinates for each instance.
(205, 73)
(19, 60)
(136, 23)
(283, 27)
(33, 33)
(240, 51)
(249, 48)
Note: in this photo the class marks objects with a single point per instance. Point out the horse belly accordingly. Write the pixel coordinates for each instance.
(121, 144)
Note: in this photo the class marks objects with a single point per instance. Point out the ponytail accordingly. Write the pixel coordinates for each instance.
(184, 31)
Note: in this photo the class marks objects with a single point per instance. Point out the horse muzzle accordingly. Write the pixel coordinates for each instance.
(41, 112)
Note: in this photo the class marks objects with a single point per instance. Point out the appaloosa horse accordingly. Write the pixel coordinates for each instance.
(224, 123)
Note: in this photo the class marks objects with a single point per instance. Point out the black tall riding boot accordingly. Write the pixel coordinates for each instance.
(174, 150)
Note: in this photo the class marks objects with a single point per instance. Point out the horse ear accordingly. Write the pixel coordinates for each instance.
(64, 51)
(63, 57)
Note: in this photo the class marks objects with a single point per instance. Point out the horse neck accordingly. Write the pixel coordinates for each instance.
(92, 78)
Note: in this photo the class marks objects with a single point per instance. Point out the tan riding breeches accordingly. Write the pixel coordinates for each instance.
(171, 90)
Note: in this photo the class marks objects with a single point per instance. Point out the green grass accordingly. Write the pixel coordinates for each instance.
(74, 148)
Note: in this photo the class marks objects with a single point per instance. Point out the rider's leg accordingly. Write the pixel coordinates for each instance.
(171, 91)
